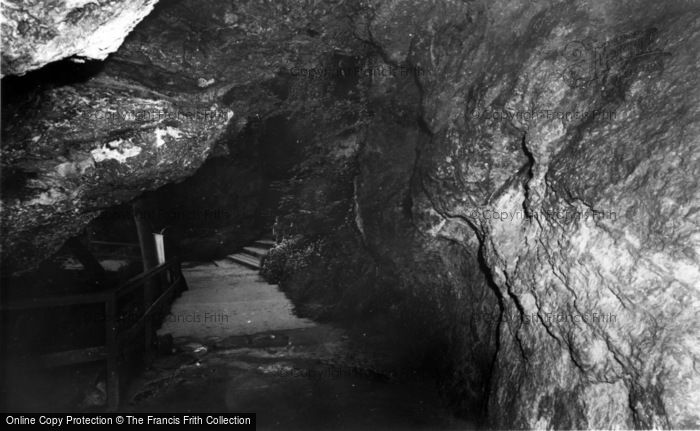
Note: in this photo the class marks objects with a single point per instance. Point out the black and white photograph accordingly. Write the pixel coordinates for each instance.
(350, 214)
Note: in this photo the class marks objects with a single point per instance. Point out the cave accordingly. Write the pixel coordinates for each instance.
(351, 214)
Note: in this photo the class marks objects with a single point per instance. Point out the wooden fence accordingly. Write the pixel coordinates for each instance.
(167, 281)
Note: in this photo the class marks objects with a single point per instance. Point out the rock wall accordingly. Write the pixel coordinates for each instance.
(555, 143)
(516, 181)
(35, 34)
(564, 152)
(78, 139)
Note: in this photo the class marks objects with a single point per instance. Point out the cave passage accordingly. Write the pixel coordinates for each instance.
(352, 214)
(231, 340)
(240, 348)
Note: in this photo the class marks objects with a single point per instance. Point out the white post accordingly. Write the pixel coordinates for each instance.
(160, 247)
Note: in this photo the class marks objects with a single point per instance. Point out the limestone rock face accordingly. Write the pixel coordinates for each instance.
(569, 143)
(525, 199)
(79, 138)
(74, 151)
(35, 33)
(560, 148)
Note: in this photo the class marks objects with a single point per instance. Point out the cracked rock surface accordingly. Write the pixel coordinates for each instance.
(35, 33)
(78, 139)
(525, 199)
(560, 150)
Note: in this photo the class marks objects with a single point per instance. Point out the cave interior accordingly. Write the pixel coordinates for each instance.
(353, 214)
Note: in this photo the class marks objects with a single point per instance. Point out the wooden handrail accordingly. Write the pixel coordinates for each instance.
(86, 298)
(57, 301)
(131, 331)
(113, 337)
(137, 280)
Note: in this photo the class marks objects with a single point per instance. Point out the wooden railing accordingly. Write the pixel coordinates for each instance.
(167, 279)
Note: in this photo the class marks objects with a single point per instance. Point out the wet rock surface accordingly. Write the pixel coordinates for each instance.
(514, 183)
(313, 383)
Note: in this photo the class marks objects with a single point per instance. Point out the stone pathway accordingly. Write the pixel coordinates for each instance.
(225, 298)
(238, 347)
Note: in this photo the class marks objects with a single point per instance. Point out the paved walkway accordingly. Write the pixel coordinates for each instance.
(238, 347)
(225, 298)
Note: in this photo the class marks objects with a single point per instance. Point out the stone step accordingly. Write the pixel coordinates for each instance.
(245, 260)
(267, 243)
(256, 251)
(246, 256)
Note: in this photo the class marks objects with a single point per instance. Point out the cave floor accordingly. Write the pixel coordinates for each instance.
(252, 354)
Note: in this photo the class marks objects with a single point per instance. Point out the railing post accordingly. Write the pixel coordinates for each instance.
(178, 273)
(147, 326)
(150, 260)
(112, 350)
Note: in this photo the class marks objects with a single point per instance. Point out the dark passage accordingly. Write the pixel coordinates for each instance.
(352, 214)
